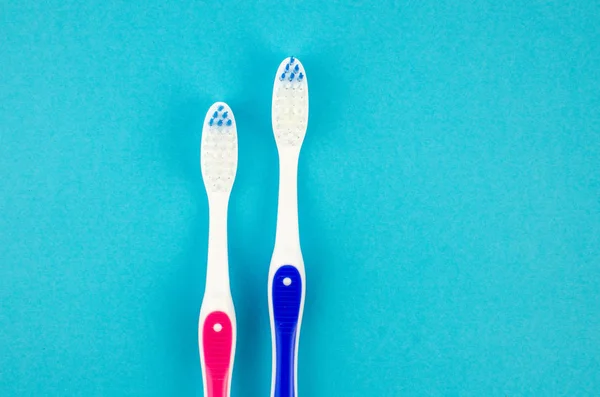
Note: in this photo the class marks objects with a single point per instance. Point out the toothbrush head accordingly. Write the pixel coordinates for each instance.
(218, 149)
(290, 104)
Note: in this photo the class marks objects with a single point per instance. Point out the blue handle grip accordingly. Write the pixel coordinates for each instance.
(287, 298)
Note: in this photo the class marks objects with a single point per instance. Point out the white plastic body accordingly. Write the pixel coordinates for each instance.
(287, 249)
(217, 293)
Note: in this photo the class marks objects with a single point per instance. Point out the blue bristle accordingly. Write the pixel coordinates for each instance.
(211, 122)
(220, 108)
(228, 122)
(215, 115)
(225, 115)
(287, 67)
(300, 76)
(292, 77)
(220, 123)
(292, 59)
(282, 77)
(297, 68)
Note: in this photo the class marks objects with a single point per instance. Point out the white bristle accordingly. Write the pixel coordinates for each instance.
(290, 104)
(218, 150)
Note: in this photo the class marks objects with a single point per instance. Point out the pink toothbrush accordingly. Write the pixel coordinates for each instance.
(217, 327)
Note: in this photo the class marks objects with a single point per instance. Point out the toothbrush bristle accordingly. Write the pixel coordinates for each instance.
(218, 156)
(290, 103)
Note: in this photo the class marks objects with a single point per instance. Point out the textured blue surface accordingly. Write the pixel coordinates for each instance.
(449, 194)
(286, 311)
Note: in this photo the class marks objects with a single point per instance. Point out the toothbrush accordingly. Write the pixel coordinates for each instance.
(287, 285)
(217, 325)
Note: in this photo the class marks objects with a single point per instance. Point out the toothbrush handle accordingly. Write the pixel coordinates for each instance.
(217, 344)
(286, 293)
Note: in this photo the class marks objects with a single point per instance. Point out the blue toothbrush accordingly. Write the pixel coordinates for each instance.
(287, 281)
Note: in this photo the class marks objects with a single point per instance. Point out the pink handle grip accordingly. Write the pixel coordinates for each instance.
(217, 339)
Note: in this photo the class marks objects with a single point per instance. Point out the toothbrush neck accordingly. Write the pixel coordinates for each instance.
(217, 268)
(287, 237)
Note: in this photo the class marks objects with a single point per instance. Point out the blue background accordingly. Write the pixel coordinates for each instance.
(449, 194)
